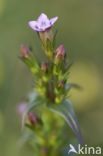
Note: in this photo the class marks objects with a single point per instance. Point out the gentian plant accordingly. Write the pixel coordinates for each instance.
(49, 108)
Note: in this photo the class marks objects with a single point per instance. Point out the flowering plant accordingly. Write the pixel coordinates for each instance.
(48, 106)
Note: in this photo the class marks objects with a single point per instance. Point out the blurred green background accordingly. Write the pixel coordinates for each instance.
(80, 28)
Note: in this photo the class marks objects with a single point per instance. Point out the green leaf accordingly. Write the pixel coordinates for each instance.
(54, 38)
(29, 126)
(49, 46)
(69, 86)
(66, 110)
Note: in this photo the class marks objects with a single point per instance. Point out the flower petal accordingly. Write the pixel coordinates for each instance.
(34, 25)
(43, 22)
(42, 17)
(53, 20)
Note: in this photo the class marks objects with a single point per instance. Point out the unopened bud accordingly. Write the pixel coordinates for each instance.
(33, 119)
(60, 54)
(57, 100)
(61, 84)
(44, 67)
(24, 50)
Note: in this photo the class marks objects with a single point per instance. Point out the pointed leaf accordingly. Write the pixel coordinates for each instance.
(73, 85)
(66, 111)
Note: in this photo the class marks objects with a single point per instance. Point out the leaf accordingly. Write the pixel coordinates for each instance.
(29, 126)
(54, 38)
(49, 46)
(65, 110)
(26, 136)
(69, 86)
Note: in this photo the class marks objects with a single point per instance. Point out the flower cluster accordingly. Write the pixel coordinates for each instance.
(50, 75)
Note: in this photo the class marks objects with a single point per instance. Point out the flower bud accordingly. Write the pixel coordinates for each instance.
(60, 54)
(61, 84)
(24, 50)
(58, 99)
(44, 67)
(33, 119)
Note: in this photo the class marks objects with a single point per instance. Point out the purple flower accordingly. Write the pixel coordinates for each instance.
(42, 23)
